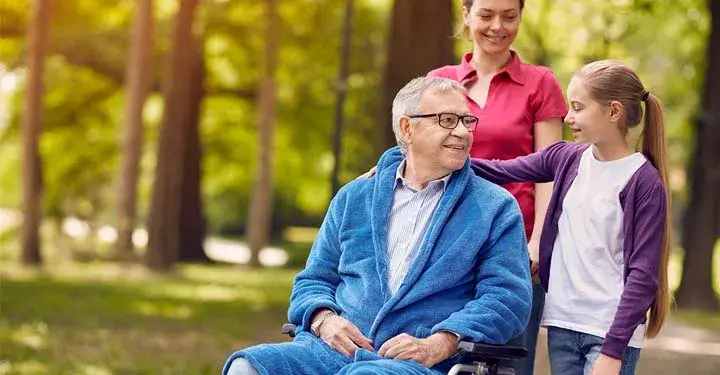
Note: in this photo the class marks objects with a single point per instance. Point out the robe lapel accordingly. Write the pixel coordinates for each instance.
(447, 204)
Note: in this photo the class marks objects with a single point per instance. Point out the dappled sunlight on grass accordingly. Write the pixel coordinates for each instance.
(30, 367)
(93, 370)
(106, 318)
(163, 310)
(31, 335)
(201, 292)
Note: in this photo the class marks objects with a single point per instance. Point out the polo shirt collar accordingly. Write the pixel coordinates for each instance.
(514, 69)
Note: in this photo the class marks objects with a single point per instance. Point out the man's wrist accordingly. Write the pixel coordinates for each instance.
(318, 319)
(446, 342)
(318, 313)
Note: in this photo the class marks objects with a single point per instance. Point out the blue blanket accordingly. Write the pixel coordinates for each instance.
(471, 274)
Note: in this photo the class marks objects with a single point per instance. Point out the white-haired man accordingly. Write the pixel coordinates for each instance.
(410, 260)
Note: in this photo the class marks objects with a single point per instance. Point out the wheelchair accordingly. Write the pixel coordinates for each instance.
(476, 358)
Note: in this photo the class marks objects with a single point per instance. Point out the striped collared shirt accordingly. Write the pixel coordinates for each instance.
(409, 219)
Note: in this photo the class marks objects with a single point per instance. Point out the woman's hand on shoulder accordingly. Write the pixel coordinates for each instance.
(368, 174)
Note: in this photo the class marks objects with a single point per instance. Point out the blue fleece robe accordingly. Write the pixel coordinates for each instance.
(471, 276)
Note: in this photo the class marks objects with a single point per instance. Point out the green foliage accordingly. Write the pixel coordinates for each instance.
(84, 108)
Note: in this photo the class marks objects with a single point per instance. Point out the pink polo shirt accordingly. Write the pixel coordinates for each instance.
(519, 96)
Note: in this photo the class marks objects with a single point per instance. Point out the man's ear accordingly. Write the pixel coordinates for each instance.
(406, 129)
(616, 111)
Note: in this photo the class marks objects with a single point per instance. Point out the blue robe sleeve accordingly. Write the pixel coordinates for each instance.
(537, 167)
(503, 290)
(315, 286)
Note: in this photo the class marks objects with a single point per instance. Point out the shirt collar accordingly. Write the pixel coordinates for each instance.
(514, 69)
(400, 179)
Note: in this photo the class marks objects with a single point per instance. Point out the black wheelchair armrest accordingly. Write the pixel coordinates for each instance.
(289, 329)
(476, 351)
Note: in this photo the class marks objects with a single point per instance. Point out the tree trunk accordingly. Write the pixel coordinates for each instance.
(420, 40)
(138, 80)
(342, 88)
(261, 199)
(32, 168)
(164, 237)
(702, 217)
(192, 220)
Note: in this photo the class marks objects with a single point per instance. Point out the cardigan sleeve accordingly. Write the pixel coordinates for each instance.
(315, 286)
(537, 167)
(503, 294)
(642, 265)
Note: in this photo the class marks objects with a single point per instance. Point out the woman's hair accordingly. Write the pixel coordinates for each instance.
(609, 81)
(463, 30)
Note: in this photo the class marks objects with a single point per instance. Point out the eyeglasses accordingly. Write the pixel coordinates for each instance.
(451, 120)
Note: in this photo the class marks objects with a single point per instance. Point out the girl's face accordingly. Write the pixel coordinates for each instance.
(590, 121)
(493, 24)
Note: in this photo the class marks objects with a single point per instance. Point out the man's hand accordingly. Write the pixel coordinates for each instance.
(342, 335)
(606, 365)
(428, 352)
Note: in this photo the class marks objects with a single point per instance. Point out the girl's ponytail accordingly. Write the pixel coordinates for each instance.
(654, 148)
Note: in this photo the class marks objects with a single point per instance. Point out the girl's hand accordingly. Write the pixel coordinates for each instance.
(606, 365)
(533, 251)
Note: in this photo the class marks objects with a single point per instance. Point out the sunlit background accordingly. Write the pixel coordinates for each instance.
(89, 311)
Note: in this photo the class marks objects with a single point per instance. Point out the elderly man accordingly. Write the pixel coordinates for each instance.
(408, 261)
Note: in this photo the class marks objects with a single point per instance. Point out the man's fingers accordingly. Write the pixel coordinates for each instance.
(338, 345)
(400, 345)
(349, 345)
(362, 342)
(387, 345)
(396, 350)
(344, 345)
(397, 341)
(358, 338)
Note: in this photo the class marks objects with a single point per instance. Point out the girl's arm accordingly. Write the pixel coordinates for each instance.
(643, 265)
(537, 167)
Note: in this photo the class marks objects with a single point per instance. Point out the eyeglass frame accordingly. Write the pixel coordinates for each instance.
(460, 118)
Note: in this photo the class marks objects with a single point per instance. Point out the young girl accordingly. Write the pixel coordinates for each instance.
(604, 246)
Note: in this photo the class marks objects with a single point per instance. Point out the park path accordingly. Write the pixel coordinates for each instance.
(679, 349)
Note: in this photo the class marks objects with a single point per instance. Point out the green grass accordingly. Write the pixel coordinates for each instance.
(702, 319)
(104, 319)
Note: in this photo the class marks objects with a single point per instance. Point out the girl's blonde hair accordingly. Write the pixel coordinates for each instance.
(609, 81)
(463, 31)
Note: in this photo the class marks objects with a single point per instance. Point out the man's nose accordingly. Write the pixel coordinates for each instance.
(460, 131)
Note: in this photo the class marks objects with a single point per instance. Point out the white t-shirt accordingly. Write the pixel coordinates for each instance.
(586, 273)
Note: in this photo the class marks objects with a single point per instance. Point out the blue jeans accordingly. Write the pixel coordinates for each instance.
(528, 339)
(574, 353)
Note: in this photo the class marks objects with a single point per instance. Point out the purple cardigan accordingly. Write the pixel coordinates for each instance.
(643, 204)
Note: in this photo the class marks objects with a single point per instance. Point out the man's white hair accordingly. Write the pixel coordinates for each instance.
(407, 100)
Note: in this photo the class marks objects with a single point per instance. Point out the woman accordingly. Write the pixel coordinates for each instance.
(520, 109)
